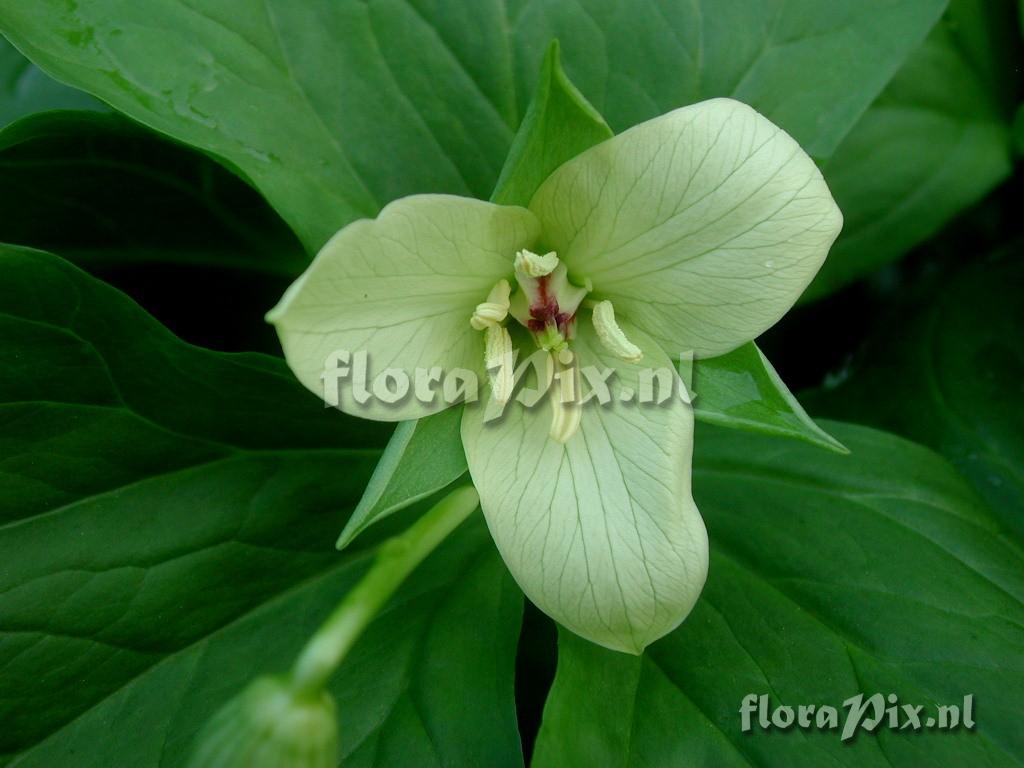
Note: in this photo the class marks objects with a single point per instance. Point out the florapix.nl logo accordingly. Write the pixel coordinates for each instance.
(857, 713)
(351, 382)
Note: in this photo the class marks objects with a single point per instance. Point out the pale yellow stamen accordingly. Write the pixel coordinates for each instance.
(493, 311)
(533, 265)
(499, 362)
(565, 420)
(565, 407)
(611, 336)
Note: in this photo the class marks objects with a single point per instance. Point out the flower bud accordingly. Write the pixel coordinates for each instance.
(269, 725)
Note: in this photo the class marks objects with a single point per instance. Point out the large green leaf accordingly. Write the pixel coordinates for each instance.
(168, 516)
(103, 192)
(335, 108)
(25, 90)
(895, 189)
(635, 60)
(951, 377)
(830, 576)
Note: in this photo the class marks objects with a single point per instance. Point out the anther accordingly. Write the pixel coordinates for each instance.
(611, 336)
(499, 363)
(493, 311)
(565, 407)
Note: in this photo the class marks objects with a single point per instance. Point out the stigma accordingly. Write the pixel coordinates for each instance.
(546, 302)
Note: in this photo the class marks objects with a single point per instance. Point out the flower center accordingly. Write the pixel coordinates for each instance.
(546, 304)
(546, 301)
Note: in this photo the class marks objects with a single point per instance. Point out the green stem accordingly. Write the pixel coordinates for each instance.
(395, 560)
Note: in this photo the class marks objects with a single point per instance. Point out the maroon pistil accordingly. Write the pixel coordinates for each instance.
(546, 315)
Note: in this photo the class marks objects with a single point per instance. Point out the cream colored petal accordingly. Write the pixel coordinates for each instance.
(601, 532)
(703, 226)
(403, 287)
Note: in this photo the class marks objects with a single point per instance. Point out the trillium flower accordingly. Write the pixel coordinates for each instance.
(692, 232)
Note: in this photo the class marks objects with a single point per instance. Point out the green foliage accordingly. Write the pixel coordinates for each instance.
(741, 390)
(103, 193)
(935, 141)
(168, 514)
(558, 125)
(25, 90)
(423, 456)
(952, 378)
(334, 109)
(830, 576)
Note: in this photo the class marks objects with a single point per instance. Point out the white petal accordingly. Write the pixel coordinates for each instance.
(600, 532)
(703, 225)
(403, 287)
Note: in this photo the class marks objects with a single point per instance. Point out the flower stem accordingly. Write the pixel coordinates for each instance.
(395, 560)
